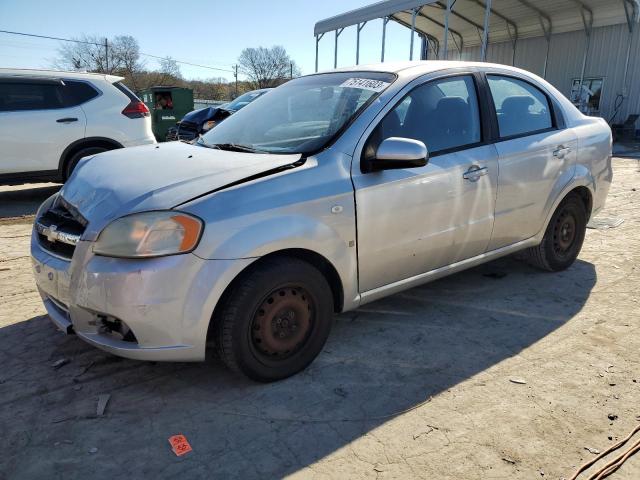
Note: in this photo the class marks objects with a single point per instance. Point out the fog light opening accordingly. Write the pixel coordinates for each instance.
(116, 328)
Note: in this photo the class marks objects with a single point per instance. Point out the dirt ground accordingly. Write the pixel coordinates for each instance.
(417, 385)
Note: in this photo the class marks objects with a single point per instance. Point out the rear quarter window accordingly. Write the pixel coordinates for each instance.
(77, 93)
(124, 89)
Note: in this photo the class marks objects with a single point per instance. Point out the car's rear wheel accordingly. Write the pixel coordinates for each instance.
(76, 157)
(276, 319)
(563, 238)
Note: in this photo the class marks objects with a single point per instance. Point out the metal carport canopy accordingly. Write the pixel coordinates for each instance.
(507, 19)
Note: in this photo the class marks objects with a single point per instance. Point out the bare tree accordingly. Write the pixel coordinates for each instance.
(128, 52)
(168, 73)
(124, 59)
(90, 53)
(267, 67)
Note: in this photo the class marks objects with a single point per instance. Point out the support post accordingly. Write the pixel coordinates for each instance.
(446, 30)
(451, 31)
(588, 24)
(514, 43)
(385, 20)
(485, 32)
(335, 47)
(546, 30)
(318, 38)
(414, 13)
(630, 26)
(546, 58)
(358, 28)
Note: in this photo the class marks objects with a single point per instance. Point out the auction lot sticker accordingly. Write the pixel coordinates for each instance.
(365, 84)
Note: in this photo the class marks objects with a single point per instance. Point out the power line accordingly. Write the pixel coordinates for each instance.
(187, 63)
(50, 38)
(105, 44)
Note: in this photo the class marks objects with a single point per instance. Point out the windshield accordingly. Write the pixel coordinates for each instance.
(244, 99)
(301, 116)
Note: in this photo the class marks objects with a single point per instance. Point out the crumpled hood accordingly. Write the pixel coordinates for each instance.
(153, 177)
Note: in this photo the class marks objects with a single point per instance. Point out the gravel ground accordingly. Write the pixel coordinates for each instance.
(418, 385)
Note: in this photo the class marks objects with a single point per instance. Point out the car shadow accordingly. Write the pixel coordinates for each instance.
(24, 200)
(380, 361)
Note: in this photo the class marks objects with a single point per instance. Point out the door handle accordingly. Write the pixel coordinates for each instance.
(561, 151)
(474, 173)
(67, 120)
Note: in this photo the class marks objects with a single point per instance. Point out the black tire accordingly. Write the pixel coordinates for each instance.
(563, 238)
(276, 319)
(75, 158)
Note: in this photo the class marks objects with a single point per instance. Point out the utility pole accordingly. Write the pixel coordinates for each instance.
(235, 74)
(291, 69)
(106, 53)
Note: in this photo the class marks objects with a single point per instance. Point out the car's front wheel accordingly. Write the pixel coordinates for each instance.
(563, 238)
(76, 157)
(276, 319)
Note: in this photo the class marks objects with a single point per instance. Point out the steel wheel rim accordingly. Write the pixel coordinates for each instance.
(564, 233)
(282, 323)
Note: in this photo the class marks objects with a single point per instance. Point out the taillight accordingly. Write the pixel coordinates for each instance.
(136, 109)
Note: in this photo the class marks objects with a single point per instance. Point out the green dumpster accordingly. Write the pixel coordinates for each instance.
(167, 106)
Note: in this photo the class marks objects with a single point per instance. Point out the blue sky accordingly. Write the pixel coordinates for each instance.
(212, 34)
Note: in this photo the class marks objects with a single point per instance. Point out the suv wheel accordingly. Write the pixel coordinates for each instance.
(563, 238)
(276, 320)
(75, 158)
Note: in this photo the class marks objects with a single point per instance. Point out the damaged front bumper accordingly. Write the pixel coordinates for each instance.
(148, 309)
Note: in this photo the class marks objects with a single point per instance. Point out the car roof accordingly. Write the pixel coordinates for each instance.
(419, 66)
(56, 74)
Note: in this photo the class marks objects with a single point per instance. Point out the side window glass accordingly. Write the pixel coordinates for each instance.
(443, 114)
(521, 108)
(78, 92)
(29, 96)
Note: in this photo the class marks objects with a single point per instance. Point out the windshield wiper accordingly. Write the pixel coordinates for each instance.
(234, 147)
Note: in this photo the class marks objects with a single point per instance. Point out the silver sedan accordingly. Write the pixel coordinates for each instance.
(332, 191)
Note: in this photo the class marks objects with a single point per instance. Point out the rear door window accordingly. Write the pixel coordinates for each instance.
(17, 96)
(522, 109)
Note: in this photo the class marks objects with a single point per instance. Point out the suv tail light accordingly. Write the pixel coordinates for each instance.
(136, 109)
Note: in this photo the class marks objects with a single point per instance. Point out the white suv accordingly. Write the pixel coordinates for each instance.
(49, 120)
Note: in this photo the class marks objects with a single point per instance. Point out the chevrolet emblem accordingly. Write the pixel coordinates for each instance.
(51, 233)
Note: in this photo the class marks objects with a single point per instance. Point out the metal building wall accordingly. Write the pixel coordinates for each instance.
(607, 55)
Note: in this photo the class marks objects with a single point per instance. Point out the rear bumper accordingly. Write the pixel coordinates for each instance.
(166, 302)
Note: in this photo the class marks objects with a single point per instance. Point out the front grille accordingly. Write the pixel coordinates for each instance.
(185, 127)
(60, 228)
(62, 249)
(187, 131)
(172, 135)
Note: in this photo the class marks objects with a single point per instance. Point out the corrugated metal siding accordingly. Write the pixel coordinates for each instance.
(607, 55)
(565, 14)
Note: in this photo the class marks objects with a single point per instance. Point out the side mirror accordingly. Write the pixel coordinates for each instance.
(397, 152)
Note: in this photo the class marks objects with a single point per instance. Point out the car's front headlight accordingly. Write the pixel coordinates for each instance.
(46, 205)
(149, 234)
